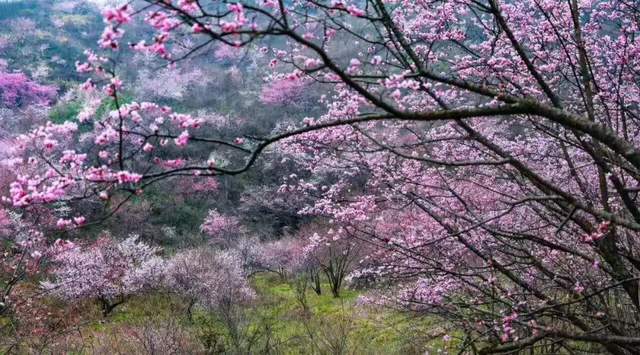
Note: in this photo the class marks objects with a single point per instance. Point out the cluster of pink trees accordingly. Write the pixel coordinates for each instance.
(497, 142)
(16, 89)
(108, 271)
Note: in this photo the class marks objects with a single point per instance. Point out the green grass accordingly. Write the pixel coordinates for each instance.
(366, 330)
(66, 112)
(330, 325)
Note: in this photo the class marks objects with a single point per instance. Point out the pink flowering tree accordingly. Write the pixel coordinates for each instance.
(508, 130)
(215, 281)
(283, 256)
(251, 253)
(22, 248)
(308, 256)
(223, 230)
(331, 252)
(208, 278)
(285, 90)
(16, 89)
(108, 271)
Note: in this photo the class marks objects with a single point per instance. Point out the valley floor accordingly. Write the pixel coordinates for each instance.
(277, 323)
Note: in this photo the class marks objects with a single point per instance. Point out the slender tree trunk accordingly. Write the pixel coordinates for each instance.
(316, 284)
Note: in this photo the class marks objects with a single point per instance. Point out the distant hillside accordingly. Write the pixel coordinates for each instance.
(45, 38)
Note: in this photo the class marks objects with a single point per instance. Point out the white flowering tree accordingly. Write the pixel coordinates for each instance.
(108, 271)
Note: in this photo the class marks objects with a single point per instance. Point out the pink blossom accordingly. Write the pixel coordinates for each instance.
(355, 11)
(183, 139)
(197, 28)
(110, 37)
(112, 89)
(63, 223)
(172, 164)
(125, 177)
(120, 15)
(84, 67)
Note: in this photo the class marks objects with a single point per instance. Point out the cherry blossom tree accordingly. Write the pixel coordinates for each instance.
(208, 278)
(224, 230)
(332, 254)
(283, 256)
(16, 89)
(23, 249)
(108, 271)
(289, 90)
(251, 254)
(215, 281)
(496, 141)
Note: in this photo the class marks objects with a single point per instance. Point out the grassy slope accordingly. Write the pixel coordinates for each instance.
(364, 330)
(330, 326)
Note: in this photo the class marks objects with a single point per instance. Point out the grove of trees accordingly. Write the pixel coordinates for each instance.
(474, 163)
